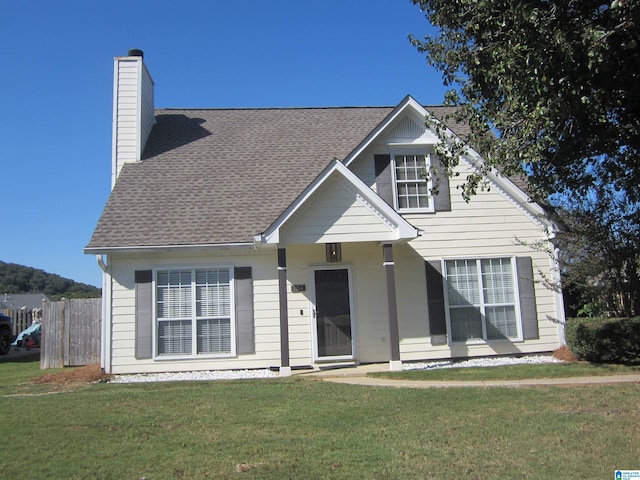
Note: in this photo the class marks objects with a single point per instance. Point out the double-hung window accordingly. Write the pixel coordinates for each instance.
(482, 299)
(193, 312)
(412, 188)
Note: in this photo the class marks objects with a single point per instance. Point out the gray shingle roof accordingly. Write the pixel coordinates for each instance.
(28, 301)
(221, 176)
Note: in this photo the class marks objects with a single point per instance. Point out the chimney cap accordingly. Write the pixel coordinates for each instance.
(135, 52)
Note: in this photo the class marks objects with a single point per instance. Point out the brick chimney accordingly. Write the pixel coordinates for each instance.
(133, 110)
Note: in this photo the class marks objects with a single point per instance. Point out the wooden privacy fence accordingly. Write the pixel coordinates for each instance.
(70, 333)
(22, 319)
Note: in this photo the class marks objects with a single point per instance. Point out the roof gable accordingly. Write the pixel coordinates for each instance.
(409, 128)
(406, 125)
(329, 209)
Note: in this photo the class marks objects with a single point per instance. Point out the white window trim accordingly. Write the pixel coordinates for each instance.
(411, 150)
(194, 341)
(516, 303)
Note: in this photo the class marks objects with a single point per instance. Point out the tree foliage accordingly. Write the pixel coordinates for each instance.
(16, 278)
(600, 253)
(550, 91)
(548, 87)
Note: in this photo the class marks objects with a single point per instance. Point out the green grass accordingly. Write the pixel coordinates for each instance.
(512, 372)
(21, 369)
(303, 428)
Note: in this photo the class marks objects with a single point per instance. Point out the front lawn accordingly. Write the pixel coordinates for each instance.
(303, 428)
(511, 372)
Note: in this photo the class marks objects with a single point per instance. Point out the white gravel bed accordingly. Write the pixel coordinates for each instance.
(193, 376)
(266, 373)
(481, 362)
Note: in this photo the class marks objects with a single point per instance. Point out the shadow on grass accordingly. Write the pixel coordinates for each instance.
(21, 357)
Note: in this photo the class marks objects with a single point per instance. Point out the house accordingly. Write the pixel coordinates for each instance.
(22, 301)
(295, 237)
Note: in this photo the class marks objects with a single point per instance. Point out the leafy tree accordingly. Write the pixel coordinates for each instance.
(600, 253)
(549, 89)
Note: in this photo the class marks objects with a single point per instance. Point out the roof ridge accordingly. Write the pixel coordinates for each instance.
(335, 107)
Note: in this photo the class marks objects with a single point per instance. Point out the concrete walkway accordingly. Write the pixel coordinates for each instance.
(357, 375)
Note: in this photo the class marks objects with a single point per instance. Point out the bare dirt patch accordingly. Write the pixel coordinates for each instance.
(78, 375)
(563, 353)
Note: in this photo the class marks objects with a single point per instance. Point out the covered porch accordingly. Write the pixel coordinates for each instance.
(336, 273)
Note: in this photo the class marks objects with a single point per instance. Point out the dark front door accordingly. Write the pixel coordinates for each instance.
(333, 312)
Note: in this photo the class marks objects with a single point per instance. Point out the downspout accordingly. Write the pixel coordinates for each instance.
(105, 344)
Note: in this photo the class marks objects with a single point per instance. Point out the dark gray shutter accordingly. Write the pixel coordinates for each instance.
(441, 201)
(384, 178)
(144, 314)
(245, 325)
(526, 287)
(435, 301)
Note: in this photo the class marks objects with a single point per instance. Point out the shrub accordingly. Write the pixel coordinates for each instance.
(605, 340)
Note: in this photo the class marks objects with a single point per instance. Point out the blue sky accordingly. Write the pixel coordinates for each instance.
(56, 90)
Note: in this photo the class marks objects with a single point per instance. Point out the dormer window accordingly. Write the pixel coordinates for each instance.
(402, 180)
(412, 189)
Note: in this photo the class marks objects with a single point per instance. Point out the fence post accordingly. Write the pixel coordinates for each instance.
(66, 334)
(52, 339)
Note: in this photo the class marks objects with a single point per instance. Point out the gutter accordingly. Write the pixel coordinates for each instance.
(168, 248)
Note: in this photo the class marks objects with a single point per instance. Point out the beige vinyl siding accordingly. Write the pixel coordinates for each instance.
(126, 110)
(490, 225)
(299, 259)
(265, 304)
(133, 111)
(335, 214)
(363, 167)
(370, 292)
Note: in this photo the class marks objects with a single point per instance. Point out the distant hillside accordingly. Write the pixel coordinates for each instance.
(20, 279)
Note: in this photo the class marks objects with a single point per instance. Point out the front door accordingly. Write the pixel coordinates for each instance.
(333, 313)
